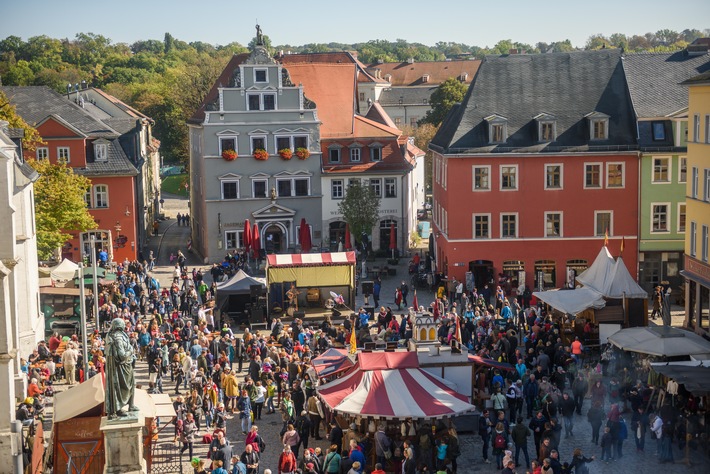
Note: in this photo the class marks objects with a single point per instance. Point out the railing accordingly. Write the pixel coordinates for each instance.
(165, 458)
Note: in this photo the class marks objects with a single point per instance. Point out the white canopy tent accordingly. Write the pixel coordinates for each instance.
(65, 271)
(661, 341)
(572, 301)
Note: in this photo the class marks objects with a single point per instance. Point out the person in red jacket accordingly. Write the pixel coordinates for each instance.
(287, 461)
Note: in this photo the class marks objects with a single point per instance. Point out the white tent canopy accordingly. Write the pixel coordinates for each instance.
(572, 301)
(77, 400)
(660, 341)
(65, 271)
(611, 278)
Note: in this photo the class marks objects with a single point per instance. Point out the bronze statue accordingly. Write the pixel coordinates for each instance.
(120, 377)
(259, 36)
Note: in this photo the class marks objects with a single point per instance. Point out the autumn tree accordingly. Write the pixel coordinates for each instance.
(60, 208)
(423, 135)
(360, 208)
(450, 92)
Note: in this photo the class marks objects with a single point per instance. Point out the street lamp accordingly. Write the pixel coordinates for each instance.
(93, 271)
(82, 306)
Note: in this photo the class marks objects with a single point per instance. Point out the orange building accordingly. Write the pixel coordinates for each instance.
(92, 149)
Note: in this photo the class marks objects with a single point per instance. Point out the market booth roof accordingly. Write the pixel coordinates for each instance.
(79, 400)
(312, 269)
(661, 341)
(572, 301)
(611, 278)
(694, 374)
(392, 385)
(239, 284)
(331, 362)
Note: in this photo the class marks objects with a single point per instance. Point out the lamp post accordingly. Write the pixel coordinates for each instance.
(82, 306)
(93, 271)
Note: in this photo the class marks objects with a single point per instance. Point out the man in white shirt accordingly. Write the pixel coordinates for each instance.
(69, 360)
(657, 428)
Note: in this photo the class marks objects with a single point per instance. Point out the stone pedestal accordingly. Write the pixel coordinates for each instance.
(123, 444)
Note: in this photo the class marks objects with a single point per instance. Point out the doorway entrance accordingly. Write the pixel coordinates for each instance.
(274, 239)
(482, 271)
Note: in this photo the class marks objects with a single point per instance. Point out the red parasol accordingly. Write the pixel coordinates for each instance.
(305, 236)
(255, 239)
(246, 236)
(348, 239)
(415, 301)
(393, 239)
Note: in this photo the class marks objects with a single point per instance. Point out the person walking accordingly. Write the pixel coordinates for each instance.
(579, 462)
(595, 415)
(405, 291)
(639, 424)
(567, 408)
(485, 426)
(189, 430)
(520, 434)
(69, 360)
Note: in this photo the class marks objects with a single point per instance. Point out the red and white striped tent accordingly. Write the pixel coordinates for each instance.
(392, 385)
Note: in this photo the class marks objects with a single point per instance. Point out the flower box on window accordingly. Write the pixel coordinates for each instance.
(302, 153)
(285, 153)
(261, 154)
(229, 155)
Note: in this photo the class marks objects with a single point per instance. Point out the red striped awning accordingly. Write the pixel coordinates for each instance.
(311, 259)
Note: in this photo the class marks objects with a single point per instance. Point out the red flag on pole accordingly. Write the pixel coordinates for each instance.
(415, 301)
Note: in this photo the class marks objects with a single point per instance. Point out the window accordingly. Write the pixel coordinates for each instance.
(258, 143)
(376, 153)
(682, 169)
(398, 122)
(704, 244)
(497, 133)
(706, 194)
(230, 189)
(693, 237)
(661, 172)
(694, 184)
(659, 217)
(354, 182)
(42, 153)
(261, 75)
(390, 187)
(497, 128)
(288, 187)
(681, 217)
(659, 131)
(614, 175)
(553, 224)
(508, 177)
(336, 189)
(547, 132)
(300, 141)
(603, 223)
(100, 196)
(553, 176)
(481, 226)
(233, 239)
(283, 142)
(376, 186)
(262, 101)
(508, 226)
(258, 187)
(362, 97)
(227, 143)
(334, 154)
(413, 122)
(600, 129)
(593, 175)
(696, 128)
(63, 154)
(481, 178)
(87, 198)
(355, 154)
(100, 152)
(707, 129)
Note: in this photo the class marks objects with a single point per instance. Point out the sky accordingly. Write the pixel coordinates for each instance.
(472, 22)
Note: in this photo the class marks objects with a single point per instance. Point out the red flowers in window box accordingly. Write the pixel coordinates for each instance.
(261, 154)
(285, 153)
(229, 155)
(302, 153)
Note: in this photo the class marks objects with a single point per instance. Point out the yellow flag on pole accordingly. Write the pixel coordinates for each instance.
(606, 237)
(353, 341)
(622, 246)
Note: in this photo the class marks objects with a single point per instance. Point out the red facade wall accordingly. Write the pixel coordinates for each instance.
(456, 248)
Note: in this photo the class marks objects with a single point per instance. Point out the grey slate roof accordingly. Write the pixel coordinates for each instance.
(409, 95)
(655, 81)
(520, 87)
(117, 164)
(35, 103)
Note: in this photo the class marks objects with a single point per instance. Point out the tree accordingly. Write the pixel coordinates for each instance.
(597, 41)
(360, 208)
(423, 135)
(60, 207)
(450, 92)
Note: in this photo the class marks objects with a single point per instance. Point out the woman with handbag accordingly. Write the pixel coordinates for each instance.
(331, 463)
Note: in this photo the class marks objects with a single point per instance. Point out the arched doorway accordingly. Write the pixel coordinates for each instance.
(274, 239)
(385, 231)
(336, 234)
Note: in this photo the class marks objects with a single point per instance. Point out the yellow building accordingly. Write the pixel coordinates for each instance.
(697, 266)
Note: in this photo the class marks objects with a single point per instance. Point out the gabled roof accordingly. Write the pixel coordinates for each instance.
(117, 164)
(377, 113)
(567, 85)
(655, 79)
(36, 103)
(418, 95)
(703, 78)
(411, 74)
(333, 57)
(222, 81)
(332, 87)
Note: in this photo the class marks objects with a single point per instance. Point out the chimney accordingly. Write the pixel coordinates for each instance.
(513, 51)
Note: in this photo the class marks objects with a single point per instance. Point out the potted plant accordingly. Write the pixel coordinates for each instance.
(261, 154)
(229, 155)
(285, 153)
(302, 153)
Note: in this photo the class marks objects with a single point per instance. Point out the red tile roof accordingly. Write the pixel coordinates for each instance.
(334, 57)
(378, 114)
(411, 74)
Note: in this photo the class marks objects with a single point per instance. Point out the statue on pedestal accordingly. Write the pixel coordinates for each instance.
(120, 377)
(259, 36)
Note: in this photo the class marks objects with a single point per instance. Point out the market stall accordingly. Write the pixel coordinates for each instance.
(237, 296)
(332, 362)
(662, 341)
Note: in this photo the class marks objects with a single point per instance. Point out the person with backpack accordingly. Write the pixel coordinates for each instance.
(500, 444)
(331, 463)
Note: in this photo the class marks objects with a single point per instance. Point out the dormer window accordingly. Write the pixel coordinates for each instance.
(463, 77)
(376, 152)
(388, 77)
(497, 129)
(598, 126)
(425, 78)
(101, 151)
(546, 128)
